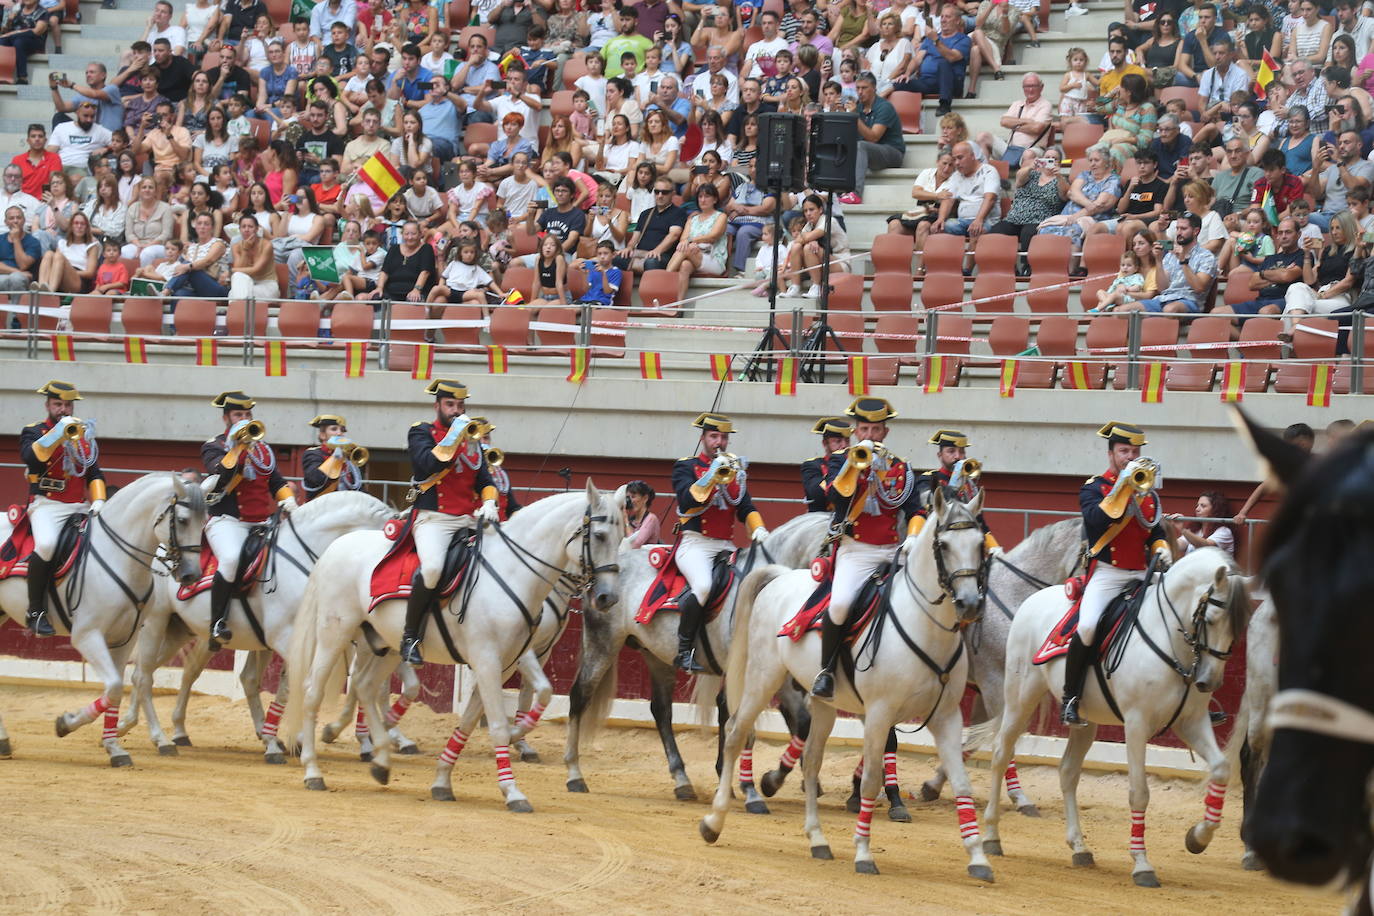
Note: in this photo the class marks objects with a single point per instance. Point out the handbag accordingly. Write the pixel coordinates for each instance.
(1013, 153)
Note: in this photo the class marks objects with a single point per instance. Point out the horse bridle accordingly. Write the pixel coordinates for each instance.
(581, 582)
(944, 578)
(1197, 639)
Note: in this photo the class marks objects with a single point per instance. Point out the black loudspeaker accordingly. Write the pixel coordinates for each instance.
(781, 162)
(834, 151)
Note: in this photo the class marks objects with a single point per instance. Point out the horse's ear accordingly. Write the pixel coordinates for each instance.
(593, 494)
(937, 500)
(1221, 575)
(179, 487)
(1283, 460)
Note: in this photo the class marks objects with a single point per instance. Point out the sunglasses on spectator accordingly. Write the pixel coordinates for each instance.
(663, 190)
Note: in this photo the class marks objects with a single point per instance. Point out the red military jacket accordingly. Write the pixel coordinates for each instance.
(896, 496)
(1130, 547)
(708, 518)
(49, 478)
(461, 490)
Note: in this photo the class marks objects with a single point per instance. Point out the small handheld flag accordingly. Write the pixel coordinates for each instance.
(319, 260)
(381, 176)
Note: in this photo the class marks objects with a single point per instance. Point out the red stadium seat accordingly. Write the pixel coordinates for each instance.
(141, 316)
(908, 105)
(893, 293)
(996, 254)
(351, 321)
(847, 291)
(1313, 338)
(1105, 333)
(194, 317)
(892, 251)
(465, 337)
(1102, 253)
(1042, 298)
(1155, 331)
(1049, 253)
(999, 288)
(299, 318)
(510, 327)
(940, 290)
(1199, 376)
(944, 254)
(1253, 331)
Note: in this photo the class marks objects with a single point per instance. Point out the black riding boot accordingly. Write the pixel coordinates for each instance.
(416, 607)
(824, 685)
(38, 596)
(219, 611)
(690, 613)
(1075, 673)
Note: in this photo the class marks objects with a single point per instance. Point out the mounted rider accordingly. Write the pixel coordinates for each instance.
(61, 464)
(869, 487)
(1122, 520)
(244, 488)
(453, 493)
(712, 492)
(336, 463)
(835, 433)
(506, 502)
(956, 470)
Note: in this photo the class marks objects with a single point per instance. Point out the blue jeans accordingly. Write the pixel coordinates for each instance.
(1157, 305)
(1181, 80)
(443, 148)
(745, 235)
(957, 226)
(195, 283)
(24, 44)
(1321, 220)
(942, 85)
(1254, 305)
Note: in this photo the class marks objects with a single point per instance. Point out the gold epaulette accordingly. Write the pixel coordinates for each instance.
(1091, 480)
(419, 423)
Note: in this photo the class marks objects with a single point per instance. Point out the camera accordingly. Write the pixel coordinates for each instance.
(56, 79)
(1046, 162)
(155, 122)
(698, 170)
(1167, 244)
(541, 205)
(499, 85)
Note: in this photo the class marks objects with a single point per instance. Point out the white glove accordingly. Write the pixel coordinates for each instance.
(996, 551)
(909, 545)
(455, 430)
(233, 430)
(54, 435)
(488, 514)
(758, 534)
(337, 441)
(287, 505)
(868, 444)
(96, 506)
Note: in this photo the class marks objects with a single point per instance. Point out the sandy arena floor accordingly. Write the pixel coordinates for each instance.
(217, 830)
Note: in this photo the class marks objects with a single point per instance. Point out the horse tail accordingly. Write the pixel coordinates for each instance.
(738, 661)
(704, 692)
(300, 658)
(598, 708)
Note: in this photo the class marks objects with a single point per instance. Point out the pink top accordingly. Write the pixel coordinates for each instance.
(647, 532)
(273, 180)
(1368, 65)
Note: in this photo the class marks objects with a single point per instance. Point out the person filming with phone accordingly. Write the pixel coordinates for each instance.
(1190, 267)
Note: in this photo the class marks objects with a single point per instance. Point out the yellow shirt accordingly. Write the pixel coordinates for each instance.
(1112, 78)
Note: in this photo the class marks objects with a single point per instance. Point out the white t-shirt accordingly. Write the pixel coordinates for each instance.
(646, 86)
(467, 199)
(758, 60)
(969, 190)
(595, 87)
(1212, 229)
(74, 145)
(506, 104)
(174, 34)
(197, 19)
(516, 195)
(423, 207)
(435, 64)
(77, 254)
(458, 275)
(618, 157)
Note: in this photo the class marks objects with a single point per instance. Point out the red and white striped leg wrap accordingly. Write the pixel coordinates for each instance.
(746, 765)
(859, 770)
(863, 825)
(968, 816)
(504, 774)
(397, 710)
(1216, 797)
(890, 770)
(791, 754)
(1137, 831)
(456, 742)
(1013, 780)
(361, 726)
(528, 720)
(269, 724)
(97, 706)
(111, 730)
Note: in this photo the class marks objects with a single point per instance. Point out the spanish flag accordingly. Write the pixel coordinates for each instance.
(512, 57)
(355, 359)
(1078, 376)
(720, 367)
(496, 360)
(1152, 392)
(935, 375)
(381, 176)
(424, 362)
(207, 351)
(1319, 391)
(580, 363)
(786, 383)
(276, 358)
(858, 375)
(62, 348)
(1233, 383)
(514, 297)
(135, 351)
(1265, 76)
(651, 366)
(1011, 368)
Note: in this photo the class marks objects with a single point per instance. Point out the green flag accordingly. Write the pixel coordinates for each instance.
(319, 259)
(141, 287)
(450, 68)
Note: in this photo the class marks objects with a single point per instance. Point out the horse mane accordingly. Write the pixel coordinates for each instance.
(340, 502)
(134, 488)
(1041, 539)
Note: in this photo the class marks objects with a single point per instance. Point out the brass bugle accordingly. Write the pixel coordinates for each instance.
(1143, 474)
(726, 473)
(475, 429)
(357, 454)
(973, 468)
(860, 457)
(495, 456)
(74, 431)
(254, 431)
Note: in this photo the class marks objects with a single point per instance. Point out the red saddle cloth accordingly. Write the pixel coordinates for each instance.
(670, 585)
(392, 575)
(1057, 642)
(14, 553)
(209, 563)
(809, 617)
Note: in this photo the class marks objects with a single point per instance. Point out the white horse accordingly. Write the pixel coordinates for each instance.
(909, 663)
(792, 544)
(1173, 659)
(573, 537)
(102, 599)
(169, 623)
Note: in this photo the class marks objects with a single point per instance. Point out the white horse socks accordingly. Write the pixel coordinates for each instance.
(361, 728)
(1138, 831)
(1216, 797)
(1013, 780)
(968, 816)
(890, 770)
(273, 719)
(456, 742)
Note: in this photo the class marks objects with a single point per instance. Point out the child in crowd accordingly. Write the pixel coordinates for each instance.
(438, 54)
(423, 202)
(1074, 87)
(252, 51)
(775, 85)
(1358, 200)
(763, 261)
(304, 49)
(283, 116)
(246, 170)
(111, 277)
(1300, 210)
(500, 249)
(1179, 109)
(161, 271)
(1250, 246)
(582, 118)
(238, 125)
(849, 75)
(1130, 282)
(469, 199)
(593, 82)
(464, 280)
(537, 58)
(646, 83)
(364, 279)
(603, 279)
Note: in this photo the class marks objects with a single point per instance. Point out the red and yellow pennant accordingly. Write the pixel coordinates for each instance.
(1268, 69)
(1078, 376)
(581, 362)
(424, 362)
(135, 351)
(381, 176)
(1011, 369)
(496, 360)
(207, 351)
(720, 367)
(1319, 390)
(858, 375)
(788, 370)
(651, 366)
(276, 358)
(355, 359)
(1233, 382)
(63, 349)
(1152, 392)
(935, 375)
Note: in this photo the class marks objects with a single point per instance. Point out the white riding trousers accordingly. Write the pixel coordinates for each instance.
(1106, 582)
(696, 559)
(226, 535)
(433, 532)
(46, 518)
(855, 563)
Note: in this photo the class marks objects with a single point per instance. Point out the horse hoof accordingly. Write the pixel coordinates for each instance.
(365, 756)
(866, 867)
(822, 852)
(181, 741)
(409, 750)
(527, 757)
(1080, 859)
(851, 804)
(706, 832)
(1250, 861)
(275, 758)
(329, 733)
(928, 792)
(1029, 811)
(770, 783)
(61, 726)
(520, 806)
(578, 785)
(982, 873)
(756, 807)
(381, 774)
(441, 793)
(685, 793)
(5, 749)
(993, 847)
(167, 750)
(1145, 879)
(315, 783)
(1191, 842)
(899, 813)
(121, 760)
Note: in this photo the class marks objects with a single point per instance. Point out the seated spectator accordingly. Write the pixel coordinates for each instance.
(1260, 36)
(550, 273)
(606, 223)
(1193, 57)
(25, 28)
(1028, 120)
(1276, 273)
(441, 116)
(603, 277)
(658, 144)
(881, 145)
(890, 57)
(75, 142)
(1234, 186)
(640, 520)
(702, 248)
(1297, 146)
(812, 247)
(1040, 191)
(464, 280)
(640, 188)
(324, 90)
(1277, 181)
(851, 25)
(438, 55)
(617, 152)
(1198, 198)
(925, 191)
(1129, 283)
(972, 193)
(367, 144)
(1117, 68)
(469, 199)
(656, 232)
(1190, 268)
(1169, 145)
(411, 151)
(1130, 115)
(675, 108)
(518, 99)
(1222, 80)
(1093, 197)
(749, 210)
(516, 191)
(990, 38)
(566, 220)
(408, 271)
(540, 61)
(55, 213)
(1141, 203)
(940, 61)
(1249, 246)
(562, 139)
(204, 270)
(1326, 283)
(20, 253)
(1334, 173)
(71, 266)
(714, 176)
(501, 151)
(1310, 40)
(112, 276)
(200, 199)
(746, 150)
(277, 79)
(281, 170)
(1189, 536)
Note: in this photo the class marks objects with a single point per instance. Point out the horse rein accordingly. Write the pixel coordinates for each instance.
(944, 578)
